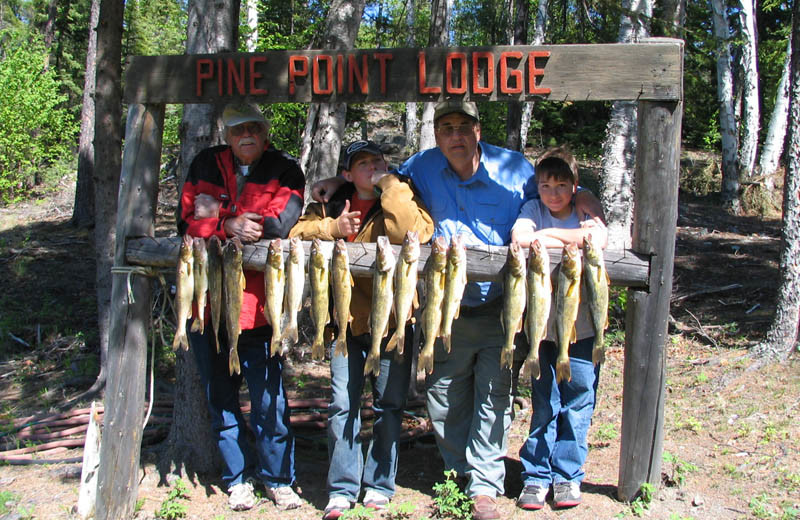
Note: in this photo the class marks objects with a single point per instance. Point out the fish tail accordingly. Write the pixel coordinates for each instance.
(318, 349)
(233, 362)
(506, 356)
(198, 325)
(598, 352)
(563, 372)
(216, 341)
(534, 369)
(446, 341)
(341, 344)
(425, 361)
(396, 336)
(372, 365)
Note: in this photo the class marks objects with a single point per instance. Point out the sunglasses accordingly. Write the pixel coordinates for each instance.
(250, 128)
(449, 130)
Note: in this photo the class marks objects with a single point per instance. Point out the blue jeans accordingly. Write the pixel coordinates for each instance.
(348, 468)
(556, 447)
(273, 462)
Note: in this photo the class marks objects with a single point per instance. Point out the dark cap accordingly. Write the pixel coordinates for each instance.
(238, 113)
(357, 147)
(459, 106)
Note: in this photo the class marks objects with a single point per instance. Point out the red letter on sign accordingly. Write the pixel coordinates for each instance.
(235, 77)
(382, 58)
(328, 73)
(476, 80)
(533, 72)
(254, 74)
(423, 89)
(360, 76)
(219, 77)
(339, 73)
(298, 66)
(515, 73)
(452, 89)
(200, 75)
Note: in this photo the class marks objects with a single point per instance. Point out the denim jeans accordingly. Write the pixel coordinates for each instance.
(273, 461)
(348, 468)
(556, 447)
(469, 402)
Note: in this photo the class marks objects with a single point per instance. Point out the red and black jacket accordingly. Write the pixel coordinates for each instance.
(273, 189)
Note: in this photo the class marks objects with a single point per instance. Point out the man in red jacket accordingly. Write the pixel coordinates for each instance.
(249, 190)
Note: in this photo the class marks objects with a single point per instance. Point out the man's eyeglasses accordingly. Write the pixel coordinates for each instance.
(449, 130)
(250, 128)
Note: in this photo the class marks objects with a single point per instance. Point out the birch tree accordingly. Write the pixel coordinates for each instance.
(412, 121)
(519, 36)
(438, 37)
(782, 337)
(252, 25)
(751, 113)
(619, 148)
(212, 27)
(539, 31)
(727, 122)
(773, 144)
(326, 121)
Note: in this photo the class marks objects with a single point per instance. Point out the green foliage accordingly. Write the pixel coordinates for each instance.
(287, 121)
(450, 501)
(642, 503)
(680, 468)
(7, 499)
(172, 507)
(401, 511)
(358, 513)
(154, 27)
(35, 127)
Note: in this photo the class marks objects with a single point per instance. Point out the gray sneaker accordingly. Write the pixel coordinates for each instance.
(566, 494)
(284, 497)
(241, 496)
(532, 497)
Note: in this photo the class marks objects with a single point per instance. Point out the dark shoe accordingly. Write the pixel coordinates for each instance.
(566, 494)
(484, 507)
(532, 497)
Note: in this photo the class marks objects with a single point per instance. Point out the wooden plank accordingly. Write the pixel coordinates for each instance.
(499, 73)
(625, 268)
(655, 220)
(118, 477)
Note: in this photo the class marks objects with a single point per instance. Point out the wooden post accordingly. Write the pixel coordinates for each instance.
(655, 220)
(127, 350)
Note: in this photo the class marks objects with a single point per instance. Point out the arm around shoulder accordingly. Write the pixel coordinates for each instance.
(403, 210)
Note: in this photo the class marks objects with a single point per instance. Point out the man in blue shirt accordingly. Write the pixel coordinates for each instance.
(474, 189)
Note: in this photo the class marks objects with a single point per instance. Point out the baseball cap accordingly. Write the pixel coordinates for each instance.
(456, 106)
(360, 146)
(237, 113)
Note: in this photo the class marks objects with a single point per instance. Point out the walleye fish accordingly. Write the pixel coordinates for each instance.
(274, 283)
(595, 277)
(405, 290)
(342, 293)
(200, 272)
(382, 300)
(434, 294)
(319, 275)
(295, 279)
(233, 293)
(215, 284)
(455, 282)
(513, 301)
(184, 292)
(567, 300)
(540, 296)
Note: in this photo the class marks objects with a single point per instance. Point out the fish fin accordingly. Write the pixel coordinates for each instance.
(352, 281)
(392, 343)
(446, 341)
(233, 362)
(573, 337)
(415, 301)
(519, 326)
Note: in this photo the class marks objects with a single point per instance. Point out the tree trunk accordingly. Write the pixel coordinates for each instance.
(750, 98)
(773, 144)
(674, 13)
(514, 118)
(727, 123)
(344, 19)
(83, 209)
(190, 445)
(783, 333)
(539, 31)
(412, 121)
(619, 148)
(437, 37)
(252, 24)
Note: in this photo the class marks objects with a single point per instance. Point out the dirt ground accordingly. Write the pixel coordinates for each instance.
(731, 434)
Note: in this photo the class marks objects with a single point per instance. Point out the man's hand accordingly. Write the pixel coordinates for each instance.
(586, 204)
(321, 191)
(205, 206)
(246, 227)
(348, 222)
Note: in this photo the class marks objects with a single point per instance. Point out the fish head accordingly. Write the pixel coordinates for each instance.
(538, 258)
(317, 254)
(215, 244)
(384, 254)
(341, 258)
(439, 252)
(275, 253)
(185, 252)
(516, 259)
(591, 253)
(410, 250)
(296, 250)
(571, 260)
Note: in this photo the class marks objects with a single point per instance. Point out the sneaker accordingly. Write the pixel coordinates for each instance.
(242, 497)
(284, 497)
(566, 494)
(532, 497)
(375, 500)
(336, 507)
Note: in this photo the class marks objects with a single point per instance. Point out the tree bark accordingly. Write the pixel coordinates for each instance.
(619, 148)
(515, 108)
(750, 98)
(539, 32)
(83, 209)
(412, 121)
(782, 336)
(190, 445)
(773, 144)
(727, 122)
(437, 37)
(252, 24)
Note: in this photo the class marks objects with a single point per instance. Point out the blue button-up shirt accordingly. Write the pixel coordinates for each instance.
(482, 208)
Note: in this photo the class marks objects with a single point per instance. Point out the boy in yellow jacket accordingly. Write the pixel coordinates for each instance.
(371, 203)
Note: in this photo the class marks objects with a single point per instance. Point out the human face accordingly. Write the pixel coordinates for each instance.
(557, 194)
(457, 136)
(361, 171)
(248, 145)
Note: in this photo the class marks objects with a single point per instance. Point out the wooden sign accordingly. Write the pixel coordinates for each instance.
(651, 70)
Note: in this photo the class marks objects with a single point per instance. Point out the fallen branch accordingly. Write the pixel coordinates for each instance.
(708, 290)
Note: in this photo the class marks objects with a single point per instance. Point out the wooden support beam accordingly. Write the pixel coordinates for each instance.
(625, 268)
(655, 221)
(118, 476)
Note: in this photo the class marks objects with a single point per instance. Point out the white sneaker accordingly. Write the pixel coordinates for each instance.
(337, 505)
(284, 497)
(375, 500)
(242, 497)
